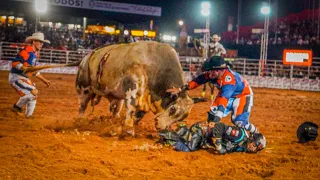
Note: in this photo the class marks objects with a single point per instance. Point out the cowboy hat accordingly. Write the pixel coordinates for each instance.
(38, 36)
(307, 131)
(215, 62)
(215, 36)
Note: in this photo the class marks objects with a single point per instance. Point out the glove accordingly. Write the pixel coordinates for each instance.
(212, 117)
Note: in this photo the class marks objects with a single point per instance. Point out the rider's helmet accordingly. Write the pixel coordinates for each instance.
(256, 143)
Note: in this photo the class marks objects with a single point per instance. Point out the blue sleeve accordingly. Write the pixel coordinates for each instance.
(180, 146)
(227, 91)
(202, 79)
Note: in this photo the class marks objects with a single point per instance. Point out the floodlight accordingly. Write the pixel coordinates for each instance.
(265, 10)
(41, 6)
(205, 8)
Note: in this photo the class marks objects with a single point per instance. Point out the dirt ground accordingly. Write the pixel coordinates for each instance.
(56, 144)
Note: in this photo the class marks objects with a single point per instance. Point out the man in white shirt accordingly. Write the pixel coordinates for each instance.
(215, 48)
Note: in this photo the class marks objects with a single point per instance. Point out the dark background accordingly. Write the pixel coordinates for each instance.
(172, 11)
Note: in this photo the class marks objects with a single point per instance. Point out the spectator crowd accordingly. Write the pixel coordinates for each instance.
(303, 32)
(62, 39)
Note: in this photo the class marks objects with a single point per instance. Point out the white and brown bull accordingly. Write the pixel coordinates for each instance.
(137, 74)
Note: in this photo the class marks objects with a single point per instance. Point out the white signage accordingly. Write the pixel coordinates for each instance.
(201, 30)
(296, 57)
(106, 6)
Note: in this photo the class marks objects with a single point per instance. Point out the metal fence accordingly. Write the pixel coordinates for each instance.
(8, 51)
(273, 68)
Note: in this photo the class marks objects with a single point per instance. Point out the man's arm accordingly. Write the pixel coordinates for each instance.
(201, 79)
(217, 135)
(21, 60)
(204, 45)
(222, 49)
(44, 80)
(220, 103)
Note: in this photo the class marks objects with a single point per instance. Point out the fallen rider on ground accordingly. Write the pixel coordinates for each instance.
(221, 137)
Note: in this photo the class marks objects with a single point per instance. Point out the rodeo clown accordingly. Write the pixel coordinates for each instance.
(235, 94)
(221, 137)
(21, 81)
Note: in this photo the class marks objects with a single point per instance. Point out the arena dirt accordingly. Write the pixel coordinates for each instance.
(56, 144)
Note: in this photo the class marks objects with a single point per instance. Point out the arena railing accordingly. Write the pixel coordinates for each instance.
(192, 65)
(273, 68)
(9, 50)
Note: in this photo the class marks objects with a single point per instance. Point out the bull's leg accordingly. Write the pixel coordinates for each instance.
(130, 87)
(139, 115)
(115, 107)
(130, 102)
(84, 96)
(95, 99)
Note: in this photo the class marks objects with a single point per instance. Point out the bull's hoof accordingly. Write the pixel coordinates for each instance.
(129, 122)
(131, 132)
(125, 131)
(116, 116)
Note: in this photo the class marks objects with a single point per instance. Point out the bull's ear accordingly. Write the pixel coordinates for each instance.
(199, 99)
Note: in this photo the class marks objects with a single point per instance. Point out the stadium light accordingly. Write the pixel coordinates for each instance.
(205, 8)
(109, 29)
(166, 38)
(265, 10)
(180, 22)
(41, 6)
(126, 32)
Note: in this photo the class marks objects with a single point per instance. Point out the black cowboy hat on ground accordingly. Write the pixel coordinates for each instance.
(307, 131)
(215, 62)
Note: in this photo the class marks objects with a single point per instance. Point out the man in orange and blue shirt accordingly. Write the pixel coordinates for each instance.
(235, 94)
(21, 81)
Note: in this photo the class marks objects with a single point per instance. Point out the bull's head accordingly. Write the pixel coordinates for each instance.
(174, 108)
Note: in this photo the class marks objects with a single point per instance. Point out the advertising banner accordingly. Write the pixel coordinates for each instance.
(106, 6)
(297, 57)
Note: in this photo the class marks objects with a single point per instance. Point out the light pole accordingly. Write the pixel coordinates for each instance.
(239, 20)
(41, 7)
(265, 10)
(205, 11)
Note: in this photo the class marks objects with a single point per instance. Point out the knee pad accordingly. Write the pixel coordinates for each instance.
(25, 99)
(31, 97)
(34, 92)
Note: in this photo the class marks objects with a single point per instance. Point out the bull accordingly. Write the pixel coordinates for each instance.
(136, 75)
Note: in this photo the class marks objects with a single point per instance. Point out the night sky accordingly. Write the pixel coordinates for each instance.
(172, 11)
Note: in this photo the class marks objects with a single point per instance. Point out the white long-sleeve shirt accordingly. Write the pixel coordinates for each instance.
(215, 49)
